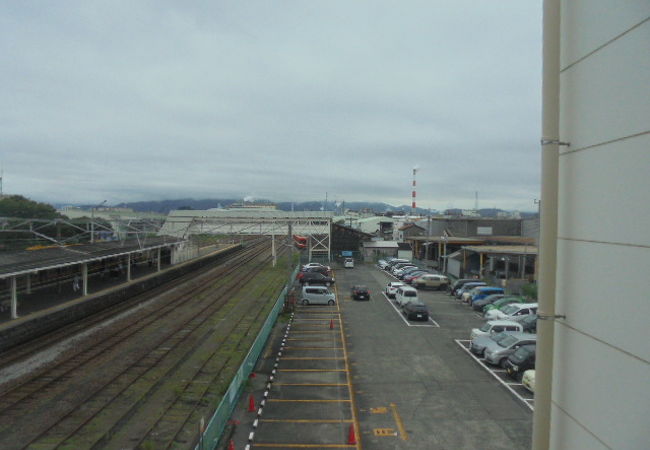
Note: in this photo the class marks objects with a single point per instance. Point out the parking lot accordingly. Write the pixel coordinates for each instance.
(400, 384)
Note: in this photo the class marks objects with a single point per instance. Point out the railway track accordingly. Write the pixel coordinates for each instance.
(159, 390)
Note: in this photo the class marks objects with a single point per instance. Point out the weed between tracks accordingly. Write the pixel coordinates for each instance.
(190, 381)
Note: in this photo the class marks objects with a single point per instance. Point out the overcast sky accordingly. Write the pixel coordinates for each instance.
(278, 99)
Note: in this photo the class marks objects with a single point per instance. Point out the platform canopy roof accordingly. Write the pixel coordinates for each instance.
(30, 261)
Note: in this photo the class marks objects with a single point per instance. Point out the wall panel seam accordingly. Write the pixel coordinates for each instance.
(601, 144)
(580, 424)
(593, 241)
(599, 340)
(600, 47)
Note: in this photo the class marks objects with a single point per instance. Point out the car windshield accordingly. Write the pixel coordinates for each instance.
(507, 341)
(485, 328)
(361, 288)
(410, 294)
(510, 309)
(522, 353)
(499, 337)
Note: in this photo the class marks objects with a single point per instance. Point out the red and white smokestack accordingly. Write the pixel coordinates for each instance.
(413, 193)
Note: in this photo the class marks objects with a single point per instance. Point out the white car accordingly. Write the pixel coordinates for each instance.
(512, 311)
(528, 380)
(496, 326)
(382, 263)
(391, 288)
(406, 294)
(348, 263)
(309, 265)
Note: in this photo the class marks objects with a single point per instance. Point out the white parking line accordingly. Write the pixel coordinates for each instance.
(433, 324)
(463, 344)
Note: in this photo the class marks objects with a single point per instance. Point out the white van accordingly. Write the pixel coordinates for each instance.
(317, 295)
(406, 294)
(496, 326)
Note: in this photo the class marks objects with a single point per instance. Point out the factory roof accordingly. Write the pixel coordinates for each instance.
(248, 214)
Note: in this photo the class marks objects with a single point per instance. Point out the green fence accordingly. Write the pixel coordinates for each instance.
(217, 423)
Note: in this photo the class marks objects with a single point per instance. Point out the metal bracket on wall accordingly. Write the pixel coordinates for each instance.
(550, 317)
(555, 142)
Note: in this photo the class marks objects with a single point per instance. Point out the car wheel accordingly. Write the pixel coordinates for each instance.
(502, 363)
(305, 301)
(331, 303)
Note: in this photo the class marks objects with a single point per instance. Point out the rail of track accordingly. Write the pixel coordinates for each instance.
(14, 393)
(77, 422)
(44, 341)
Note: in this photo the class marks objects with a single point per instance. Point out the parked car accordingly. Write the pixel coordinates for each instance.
(348, 263)
(528, 323)
(395, 270)
(496, 353)
(415, 310)
(405, 294)
(496, 326)
(478, 344)
(512, 311)
(325, 270)
(313, 264)
(412, 276)
(382, 263)
(528, 380)
(484, 291)
(408, 270)
(316, 278)
(468, 287)
(391, 288)
(502, 302)
(520, 361)
(459, 284)
(465, 296)
(400, 269)
(317, 295)
(360, 292)
(431, 281)
(395, 261)
(478, 305)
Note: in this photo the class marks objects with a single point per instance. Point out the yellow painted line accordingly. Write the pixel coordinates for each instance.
(306, 420)
(263, 444)
(312, 370)
(285, 400)
(309, 384)
(398, 420)
(355, 419)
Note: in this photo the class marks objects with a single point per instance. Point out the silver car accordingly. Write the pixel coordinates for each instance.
(497, 352)
(479, 343)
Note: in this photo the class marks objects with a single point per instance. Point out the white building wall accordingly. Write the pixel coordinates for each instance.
(601, 380)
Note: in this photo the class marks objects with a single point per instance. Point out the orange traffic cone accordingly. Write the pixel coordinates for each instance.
(352, 439)
(231, 445)
(331, 324)
(251, 403)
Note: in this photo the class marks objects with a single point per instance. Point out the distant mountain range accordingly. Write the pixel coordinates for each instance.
(164, 206)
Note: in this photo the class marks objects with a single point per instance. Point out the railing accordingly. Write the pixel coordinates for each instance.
(215, 427)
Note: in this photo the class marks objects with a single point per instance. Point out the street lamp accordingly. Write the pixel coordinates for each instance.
(92, 221)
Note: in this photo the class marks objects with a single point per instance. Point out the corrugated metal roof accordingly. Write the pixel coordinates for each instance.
(29, 261)
(251, 213)
(504, 249)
